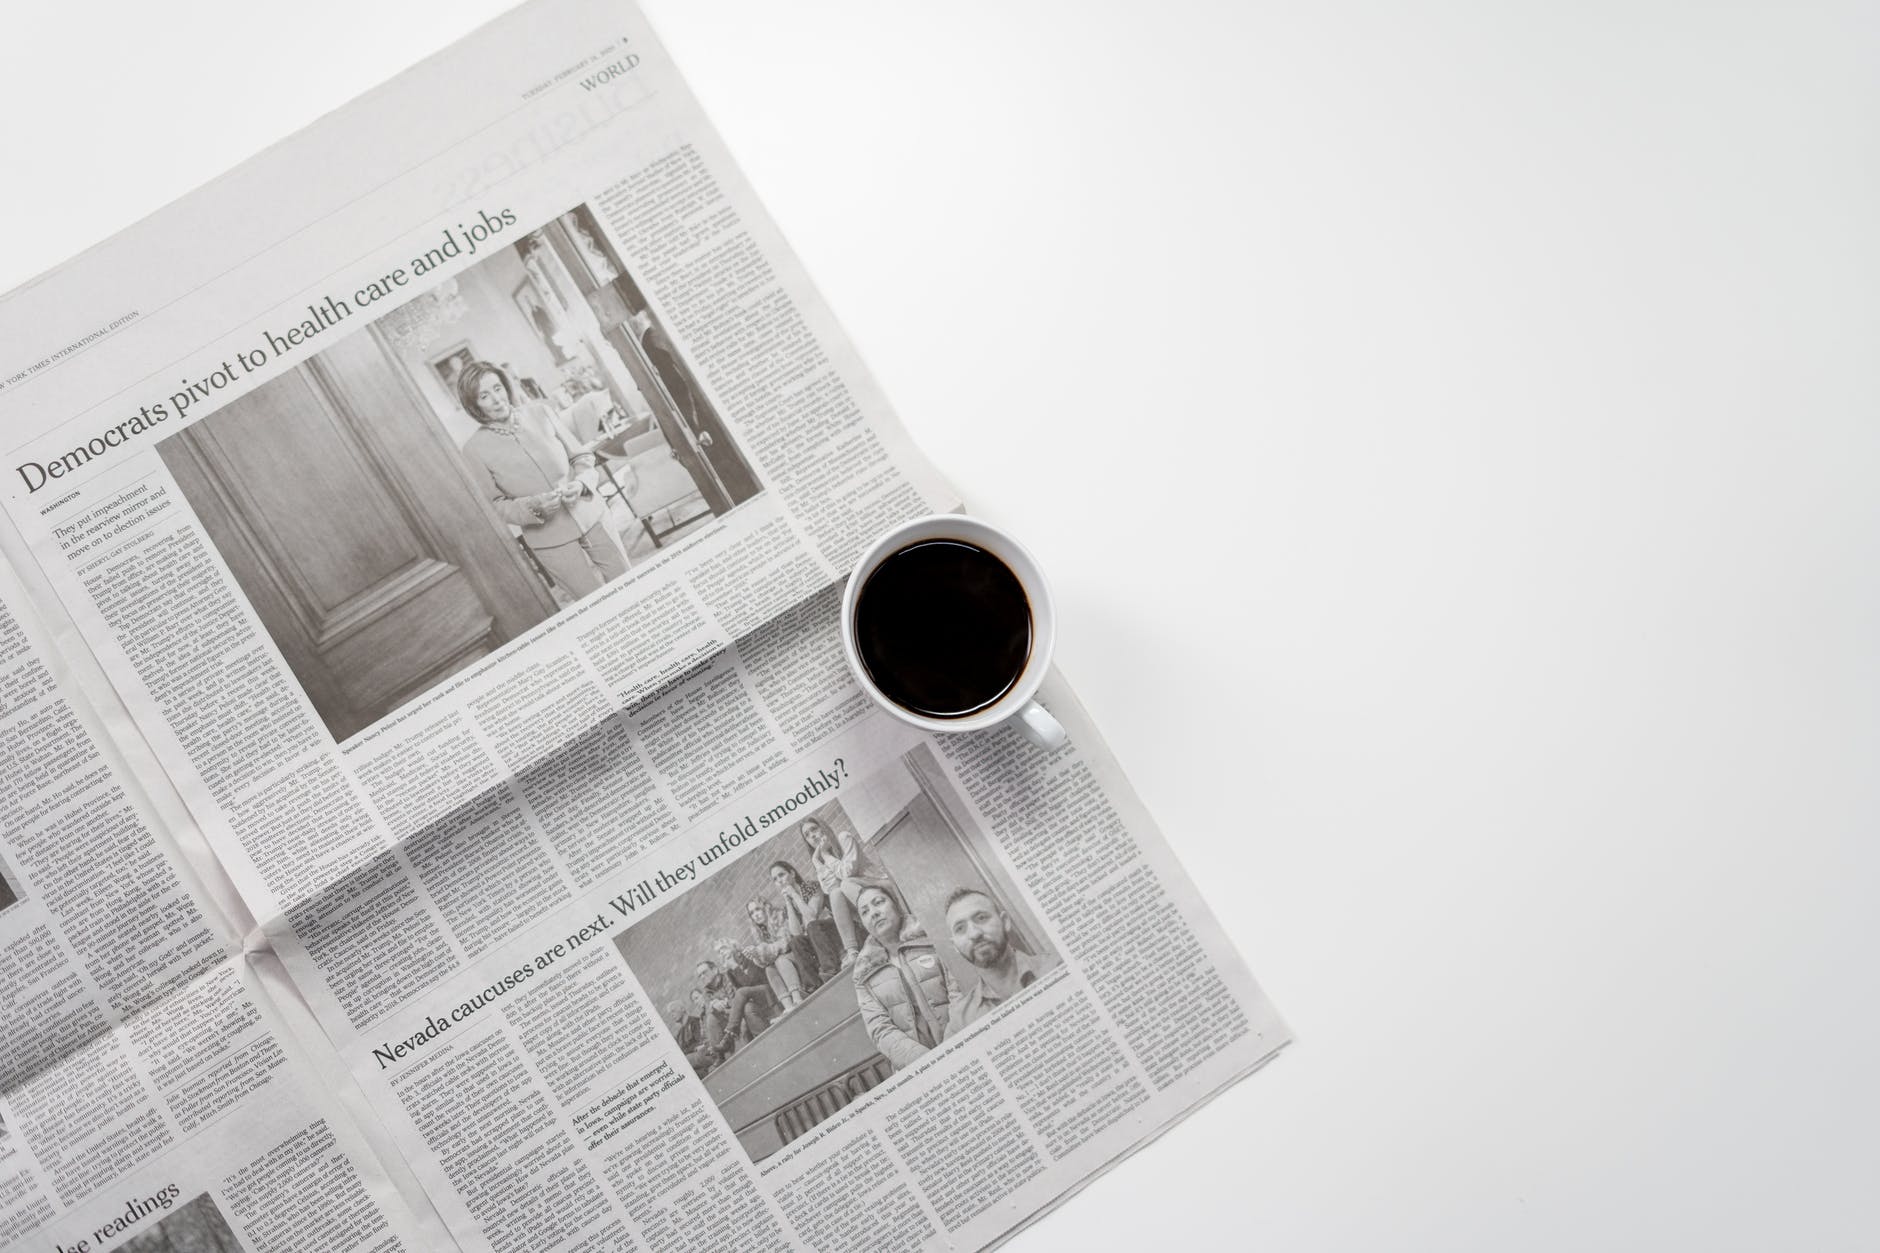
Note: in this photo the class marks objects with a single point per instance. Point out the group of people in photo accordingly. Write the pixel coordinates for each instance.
(851, 918)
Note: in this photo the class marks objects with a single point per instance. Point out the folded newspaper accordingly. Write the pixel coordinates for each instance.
(435, 810)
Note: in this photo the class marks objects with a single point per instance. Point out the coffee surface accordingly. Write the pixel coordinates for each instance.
(943, 628)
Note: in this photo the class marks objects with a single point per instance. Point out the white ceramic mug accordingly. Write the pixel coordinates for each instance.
(1017, 703)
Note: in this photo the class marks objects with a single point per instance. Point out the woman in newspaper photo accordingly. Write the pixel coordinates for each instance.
(770, 959)
(844, 868)
(807, 914)
(903, 989)
(538, 480)
(797, 968)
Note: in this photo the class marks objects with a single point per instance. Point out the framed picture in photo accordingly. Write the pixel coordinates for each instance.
(585, 252)
(536, 312)
(451, 362)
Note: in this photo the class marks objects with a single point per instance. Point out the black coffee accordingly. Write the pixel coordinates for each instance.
(943, 628)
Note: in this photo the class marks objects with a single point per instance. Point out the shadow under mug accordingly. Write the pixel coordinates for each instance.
(1019, 701)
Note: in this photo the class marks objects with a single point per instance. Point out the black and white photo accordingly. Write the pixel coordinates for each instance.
(197, 1227)
(9, 893)
(440, 479)
(841, 949)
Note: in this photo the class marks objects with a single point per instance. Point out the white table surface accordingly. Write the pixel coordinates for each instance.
(1452, 430)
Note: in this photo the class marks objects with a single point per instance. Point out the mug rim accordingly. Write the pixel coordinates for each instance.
(1031, 578)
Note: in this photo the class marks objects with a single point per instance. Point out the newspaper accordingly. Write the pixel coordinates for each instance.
(437, 812)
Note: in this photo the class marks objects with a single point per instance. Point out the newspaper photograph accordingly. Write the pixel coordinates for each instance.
(460, 468)
(454, 570)
(896, 941)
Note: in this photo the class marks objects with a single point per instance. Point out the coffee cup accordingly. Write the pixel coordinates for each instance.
(948, 624)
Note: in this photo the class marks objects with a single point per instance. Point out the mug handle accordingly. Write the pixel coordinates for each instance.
(1040, 727)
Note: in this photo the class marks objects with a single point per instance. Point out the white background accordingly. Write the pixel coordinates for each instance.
(1453, 432)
